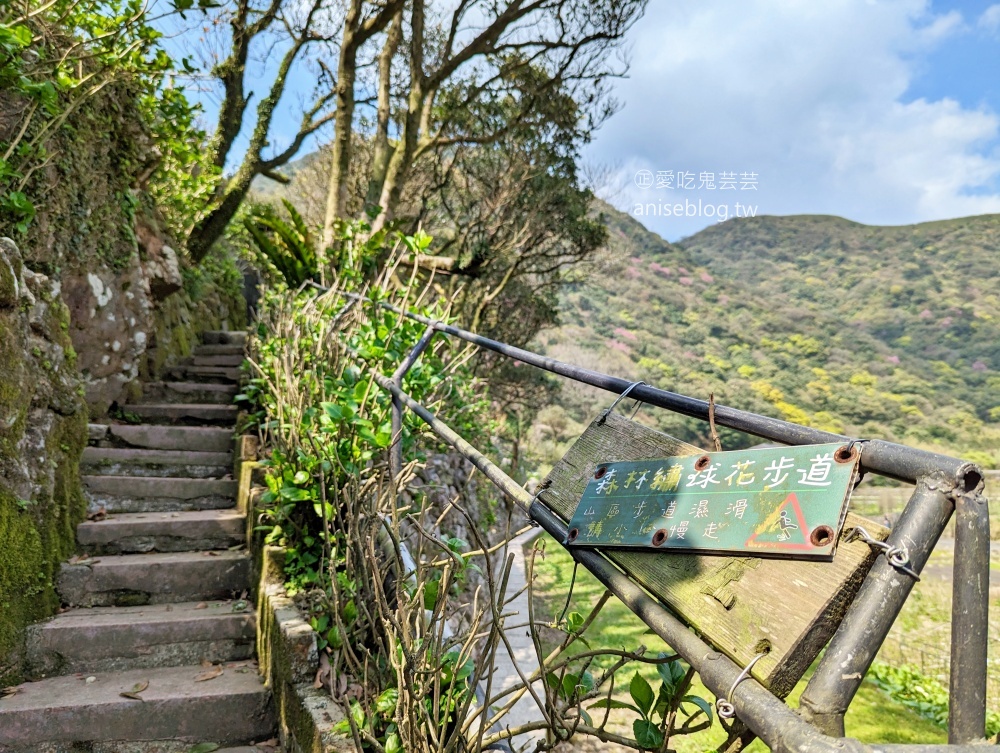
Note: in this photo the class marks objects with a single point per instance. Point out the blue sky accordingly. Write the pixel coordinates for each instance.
(881, 111)
(885, 112)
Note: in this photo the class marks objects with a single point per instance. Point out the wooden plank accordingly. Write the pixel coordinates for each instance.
(739, 604)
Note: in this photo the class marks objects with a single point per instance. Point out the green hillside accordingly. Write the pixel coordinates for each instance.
(872, 331)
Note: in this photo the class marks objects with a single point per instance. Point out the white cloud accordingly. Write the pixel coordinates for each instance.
(812, 96)
(990, 20)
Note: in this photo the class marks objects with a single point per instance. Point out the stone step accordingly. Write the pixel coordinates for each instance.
(187, 392)
(112, 639)
(159, 578)
(217, 337)
(126, 494)
(127, 461)
(134, 533)
(232, 709)
(154, 437)
(185, 413)
(219, 350)
(233, 360)
(206, 374)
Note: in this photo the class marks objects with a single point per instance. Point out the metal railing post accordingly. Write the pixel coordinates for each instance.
(869, 618)
(396, 447)
(969, 619)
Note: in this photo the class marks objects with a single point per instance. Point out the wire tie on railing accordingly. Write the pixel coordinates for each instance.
(897, 556)
(536, 497)
(724, 706)
(618, 399)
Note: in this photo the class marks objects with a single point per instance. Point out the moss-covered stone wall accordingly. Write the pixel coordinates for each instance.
(93, 297)
(43, 430)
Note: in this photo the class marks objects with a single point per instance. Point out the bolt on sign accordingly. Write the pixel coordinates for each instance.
(788, 502)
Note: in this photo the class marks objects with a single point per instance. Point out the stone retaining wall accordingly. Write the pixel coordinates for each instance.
(286, 644)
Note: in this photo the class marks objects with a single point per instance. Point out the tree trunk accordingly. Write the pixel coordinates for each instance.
(382, 150)
(204, 234)
(402, 155)
(343, 126)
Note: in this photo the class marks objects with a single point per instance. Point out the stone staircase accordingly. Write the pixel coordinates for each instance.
(154, 652)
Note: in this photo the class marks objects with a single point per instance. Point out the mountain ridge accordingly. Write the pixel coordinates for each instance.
(860, 329)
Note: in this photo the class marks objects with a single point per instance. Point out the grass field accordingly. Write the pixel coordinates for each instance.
(873, 717)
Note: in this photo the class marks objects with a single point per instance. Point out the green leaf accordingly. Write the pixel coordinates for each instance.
(641, 693)
(431, 594)
(671, 674)
(204, 748)
(343, 727)
(574, 621)
(337, 412)
(295, 494)
(677, 671)
(701, 703)
(300, 478)
(321, 623)
(386, 703)
(357, 714)
(611, 703)
(647, 734)
(22, 34)
(393, 744)
(569, 685)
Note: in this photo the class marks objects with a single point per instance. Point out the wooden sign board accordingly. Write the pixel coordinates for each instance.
(739, 604)
(784, 502)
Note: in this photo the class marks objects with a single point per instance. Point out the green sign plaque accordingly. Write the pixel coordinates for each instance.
(786, 502)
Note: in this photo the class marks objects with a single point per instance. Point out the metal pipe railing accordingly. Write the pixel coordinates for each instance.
(943, 482)
(773, 721)
(885, 458)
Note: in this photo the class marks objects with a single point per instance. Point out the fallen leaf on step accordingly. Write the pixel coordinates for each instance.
(323, 674)
(211, 554)
(210, 674)
(201, 605)
(8, 692)
(97, 515)
(240, 606)
(206, 663)
(134, 692)
(272, 743)
(204, 748)
(90, 679)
